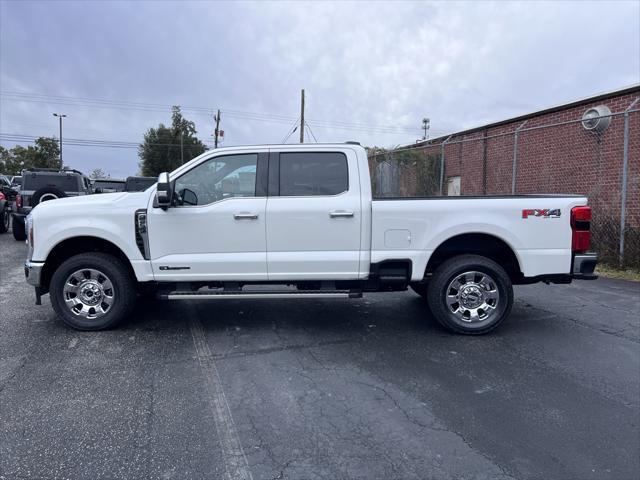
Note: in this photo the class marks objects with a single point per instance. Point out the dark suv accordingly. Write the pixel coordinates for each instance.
(7, 199)
(41, 185)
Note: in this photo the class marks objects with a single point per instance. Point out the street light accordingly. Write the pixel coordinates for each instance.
(60, 116)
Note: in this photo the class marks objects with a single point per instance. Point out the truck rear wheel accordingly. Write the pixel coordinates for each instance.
(18, 228)
(92, 291)
(470, 294)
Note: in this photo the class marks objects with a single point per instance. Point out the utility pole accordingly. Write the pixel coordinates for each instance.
(60, 116)
(181, 148)
(302, 116)
(425, 127)
(217, 130)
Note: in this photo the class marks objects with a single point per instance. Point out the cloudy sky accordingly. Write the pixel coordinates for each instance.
(371, 71)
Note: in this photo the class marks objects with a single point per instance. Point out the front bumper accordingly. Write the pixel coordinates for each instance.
(33, 272)
(584, 265)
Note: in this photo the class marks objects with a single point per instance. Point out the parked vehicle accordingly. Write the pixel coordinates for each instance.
(16, 181)
(301, 220)
(7, 200)
(41, 185)
(4, 181)
(108, 185)
(138, 184)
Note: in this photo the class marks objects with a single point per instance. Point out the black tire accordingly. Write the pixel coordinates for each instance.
(123, 290)
(421, 288)
(49, 193)
(5, 219)
(18, 227)
(499, 285)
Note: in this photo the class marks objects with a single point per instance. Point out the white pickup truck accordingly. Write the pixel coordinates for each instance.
(297, 221)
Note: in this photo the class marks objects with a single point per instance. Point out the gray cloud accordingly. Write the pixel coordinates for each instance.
(390, 64)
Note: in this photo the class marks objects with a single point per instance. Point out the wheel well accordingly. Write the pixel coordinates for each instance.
(479, 244)
(74, 246)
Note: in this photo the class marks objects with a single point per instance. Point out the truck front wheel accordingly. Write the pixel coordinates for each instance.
(421, 288)
(92, 291)
(470, 294)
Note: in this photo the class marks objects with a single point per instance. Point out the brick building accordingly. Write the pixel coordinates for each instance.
(552, 153)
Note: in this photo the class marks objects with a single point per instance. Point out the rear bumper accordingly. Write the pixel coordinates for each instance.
(583, 266)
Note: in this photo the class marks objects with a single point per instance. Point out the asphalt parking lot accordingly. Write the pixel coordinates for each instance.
(368, 388)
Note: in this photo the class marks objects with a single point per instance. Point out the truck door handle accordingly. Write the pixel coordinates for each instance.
(245, 216)
(340, 214)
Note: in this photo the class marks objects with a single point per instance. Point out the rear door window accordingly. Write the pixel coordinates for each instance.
(304, 174)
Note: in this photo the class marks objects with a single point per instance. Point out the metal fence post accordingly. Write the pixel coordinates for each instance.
(442, 163)
(625, 168)
(515, 157)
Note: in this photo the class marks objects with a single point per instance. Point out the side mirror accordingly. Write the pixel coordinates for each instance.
(188, 197)
(163, 191)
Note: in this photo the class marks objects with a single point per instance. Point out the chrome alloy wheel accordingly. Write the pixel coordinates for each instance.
(88, 293)
(473, 297)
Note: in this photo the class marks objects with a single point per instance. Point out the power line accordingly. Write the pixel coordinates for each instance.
(9, 137)
(291, 131)
(206, 111)
(311, 132)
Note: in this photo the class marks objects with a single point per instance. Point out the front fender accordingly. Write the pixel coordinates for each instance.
(121, 234)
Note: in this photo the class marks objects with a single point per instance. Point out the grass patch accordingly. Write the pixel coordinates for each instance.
(623, 274)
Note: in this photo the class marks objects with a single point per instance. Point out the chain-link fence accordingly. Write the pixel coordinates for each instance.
(530, 157)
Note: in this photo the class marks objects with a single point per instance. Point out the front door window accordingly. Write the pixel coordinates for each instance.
(217, 179)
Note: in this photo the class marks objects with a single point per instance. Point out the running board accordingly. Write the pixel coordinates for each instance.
(257, 295)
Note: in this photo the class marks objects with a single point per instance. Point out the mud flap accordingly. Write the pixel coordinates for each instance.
(38, 295)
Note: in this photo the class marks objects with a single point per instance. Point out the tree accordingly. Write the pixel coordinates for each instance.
(99, 173)
(5, 161)
(45, 153)
(163, 147)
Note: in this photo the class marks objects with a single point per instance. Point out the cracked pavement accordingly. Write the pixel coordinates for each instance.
(370, 388)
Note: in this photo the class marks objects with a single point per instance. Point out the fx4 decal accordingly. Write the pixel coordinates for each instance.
(541, 212)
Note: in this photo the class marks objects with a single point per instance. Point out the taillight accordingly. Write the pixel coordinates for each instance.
(581, 229)
(2, 197)
(19, 201)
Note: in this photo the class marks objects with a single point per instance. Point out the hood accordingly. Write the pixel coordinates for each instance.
(86, 204)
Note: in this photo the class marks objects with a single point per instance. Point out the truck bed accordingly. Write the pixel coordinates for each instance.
(409, 227)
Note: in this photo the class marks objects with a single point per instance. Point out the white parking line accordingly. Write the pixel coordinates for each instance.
(233, 455)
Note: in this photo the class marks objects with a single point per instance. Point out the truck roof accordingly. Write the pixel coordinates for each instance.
(300, 146)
